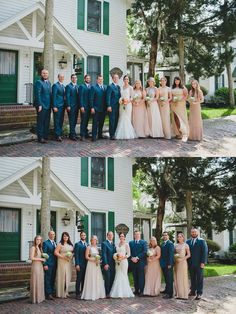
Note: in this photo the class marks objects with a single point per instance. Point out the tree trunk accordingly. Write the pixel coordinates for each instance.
(160, 217)
(48, 38)
(45, 201)
(181, 58)
(231, 85)
(153, 58)
(189, 211)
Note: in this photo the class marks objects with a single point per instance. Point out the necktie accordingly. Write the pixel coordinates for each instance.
(101, 86)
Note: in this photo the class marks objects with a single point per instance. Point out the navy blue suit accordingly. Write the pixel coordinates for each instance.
(98, 103)
(58, 101)
(167, 259)
(108, 250)
(84, 101)
(79, 253)
(72, 101)
(199, 253)
(43, 98)
(51, 262)
(112, 100)
(138, 250)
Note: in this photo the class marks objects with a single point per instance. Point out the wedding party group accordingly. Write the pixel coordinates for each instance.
(103, 272)
(134, 112)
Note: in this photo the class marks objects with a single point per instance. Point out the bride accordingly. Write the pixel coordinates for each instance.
(125, 129)
(121, 287)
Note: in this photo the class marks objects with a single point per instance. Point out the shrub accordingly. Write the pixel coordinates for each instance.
(204, 90)
(216, 102)
(232, 248)
(223, 93)
(212, 247)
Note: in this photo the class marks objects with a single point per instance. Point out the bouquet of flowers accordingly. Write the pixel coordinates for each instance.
(97, 259)
(162, 99)
(69, 254)
(175, 98)
(192, 99)
(176, 256)
(135, 97)
(45, 255)
(117, 257)
(148, 99)
(123, 102)
(149, 253)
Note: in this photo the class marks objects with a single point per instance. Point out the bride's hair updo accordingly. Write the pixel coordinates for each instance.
(125, 77)
(121, 234)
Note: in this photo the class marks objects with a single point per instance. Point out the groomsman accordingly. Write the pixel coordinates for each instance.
(108, 263)
(167, 263)
(50, 265)
(58, 105)
(80, 263)
(98, 107)
(138, 260)
(196, 262)
(43, 97)
(72, 105)
(112, 99)
(84, 102)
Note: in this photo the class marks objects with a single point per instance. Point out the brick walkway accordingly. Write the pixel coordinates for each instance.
(219, 298)
(219, 140)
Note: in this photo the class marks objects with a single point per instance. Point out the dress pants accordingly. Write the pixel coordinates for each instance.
(43, 121)
(58, 121)
(84, 123)
(139, 277)
(73, 116)
(49, 280)
(113, 120)
(196, 275)
(168, 275)
(80, 280)
(98, 122)
(109, 276)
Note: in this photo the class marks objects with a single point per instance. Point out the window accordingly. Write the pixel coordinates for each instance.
(7, 62)
(219, 81)
(94, 16)
(98, 172)
(94, 67)
(9, 220)
(98, 226)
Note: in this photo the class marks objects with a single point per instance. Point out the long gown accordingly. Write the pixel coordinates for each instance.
(139, 116)
(153, 275)
(154, 116)
(93, 282)
(178, 108)
(195, 119)
(121, 287)
(37, 280)
(164, 107)
(125, 130)
(64, 273)
(181, 282)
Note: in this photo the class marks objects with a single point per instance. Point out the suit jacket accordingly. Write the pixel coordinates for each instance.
(108, 250)
(98, 98)
(42, 94)
(49, 249)
(139, 250)
(199, 252)
(84, 96)
(58, 95)
(167, 254)
(79, 253)
(72, 98)
(113, 95)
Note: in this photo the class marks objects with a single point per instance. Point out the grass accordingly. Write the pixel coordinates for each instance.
(210, 113)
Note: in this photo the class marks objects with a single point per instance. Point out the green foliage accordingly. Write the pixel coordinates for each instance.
(219, 270)
(157, 80)
(232, 247)
(204, 90)
(212, 247)
(223, 94)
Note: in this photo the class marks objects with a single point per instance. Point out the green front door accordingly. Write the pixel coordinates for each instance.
(38, 65)
(8, 76)
(10, 234)
(53, 221)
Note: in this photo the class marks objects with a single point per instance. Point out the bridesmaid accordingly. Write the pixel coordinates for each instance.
(139, 113)
(182, 253)
(153, 270)
(37, 274)
(64, 252)
(154, 117)
(93, 282)
(195, 118)
(164, 99)
(179, 112)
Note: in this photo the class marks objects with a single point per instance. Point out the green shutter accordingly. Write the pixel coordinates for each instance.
(84, 171)
(85, 223)
(80, 14)
(106, 66)
(80, 73)
(111, 174)
(106, 26)
(111, 221)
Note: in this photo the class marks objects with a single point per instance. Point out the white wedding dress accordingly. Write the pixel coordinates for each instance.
(121, 287)
(125, 130)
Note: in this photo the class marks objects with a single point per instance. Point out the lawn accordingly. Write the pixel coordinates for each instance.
(210, 113)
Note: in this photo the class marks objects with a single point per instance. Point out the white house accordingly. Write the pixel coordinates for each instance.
(96, 190)
(89, 37)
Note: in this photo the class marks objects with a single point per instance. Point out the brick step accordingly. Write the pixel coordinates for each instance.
(14, 119)
(11, 283)
(14, 276)
(17, 113)
(15, 125)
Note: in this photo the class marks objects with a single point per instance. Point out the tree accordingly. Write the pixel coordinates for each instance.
(48, 38)
(45, 201)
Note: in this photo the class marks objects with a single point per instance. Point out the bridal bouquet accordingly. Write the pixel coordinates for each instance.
(117, 257)
(123, 102)
(97, 259)
(45, 255)
(149, 253)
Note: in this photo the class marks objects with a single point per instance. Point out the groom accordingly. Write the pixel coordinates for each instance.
(108, 263)
(138, 257)
(112, 99)
(196, 263)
